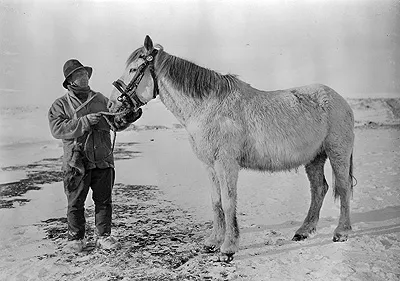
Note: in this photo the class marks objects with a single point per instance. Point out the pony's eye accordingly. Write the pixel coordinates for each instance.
(132, 70)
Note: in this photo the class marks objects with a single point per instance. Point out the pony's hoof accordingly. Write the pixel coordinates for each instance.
(340, 237)
(299, 237)
(210, 249)
(226, 258)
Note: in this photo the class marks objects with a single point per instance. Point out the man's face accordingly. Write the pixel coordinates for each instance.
(80, 78)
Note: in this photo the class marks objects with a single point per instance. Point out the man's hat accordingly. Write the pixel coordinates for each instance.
(70, 67)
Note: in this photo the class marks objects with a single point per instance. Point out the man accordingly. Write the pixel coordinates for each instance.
(88, 157)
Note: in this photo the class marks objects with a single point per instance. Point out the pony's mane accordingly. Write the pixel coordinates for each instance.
(191, 79)
(135, 55)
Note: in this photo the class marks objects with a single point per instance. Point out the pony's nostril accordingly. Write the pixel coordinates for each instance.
(110, 105)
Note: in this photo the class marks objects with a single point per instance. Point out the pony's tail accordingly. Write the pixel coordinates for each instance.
(352, 179)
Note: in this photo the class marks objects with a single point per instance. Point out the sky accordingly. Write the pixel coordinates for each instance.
(351, 46)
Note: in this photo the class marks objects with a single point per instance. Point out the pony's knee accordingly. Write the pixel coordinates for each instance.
(323, 189)
(320, 189)
(341, 192)
(218, 212)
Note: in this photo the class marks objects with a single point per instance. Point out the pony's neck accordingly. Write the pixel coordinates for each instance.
(180, 104)
(186, 87)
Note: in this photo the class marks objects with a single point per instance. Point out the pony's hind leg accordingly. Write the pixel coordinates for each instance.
(319, 187)
(342, 171)
(216, 238)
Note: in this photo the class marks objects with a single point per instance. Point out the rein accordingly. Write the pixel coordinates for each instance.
(128, 95)
(105, 116)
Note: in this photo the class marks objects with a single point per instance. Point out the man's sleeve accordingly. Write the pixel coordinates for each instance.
(64, 127)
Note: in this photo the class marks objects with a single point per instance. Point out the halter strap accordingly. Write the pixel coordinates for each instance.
(128, 92)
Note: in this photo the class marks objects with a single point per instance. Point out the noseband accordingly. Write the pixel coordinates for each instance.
(128, 95)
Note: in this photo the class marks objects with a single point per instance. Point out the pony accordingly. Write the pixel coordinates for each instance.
(232, 126)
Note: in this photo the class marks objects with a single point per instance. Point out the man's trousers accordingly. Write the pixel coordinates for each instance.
(101, 181)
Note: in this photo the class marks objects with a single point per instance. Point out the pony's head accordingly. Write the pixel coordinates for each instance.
(138, 84)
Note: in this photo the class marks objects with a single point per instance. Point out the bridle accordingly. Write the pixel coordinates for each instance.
(128, 96)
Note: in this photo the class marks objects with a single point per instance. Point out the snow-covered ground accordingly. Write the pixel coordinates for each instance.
(270, 206)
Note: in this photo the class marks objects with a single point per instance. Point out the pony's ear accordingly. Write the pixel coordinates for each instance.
(148, 44)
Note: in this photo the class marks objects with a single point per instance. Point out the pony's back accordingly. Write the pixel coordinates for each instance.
(286, 128)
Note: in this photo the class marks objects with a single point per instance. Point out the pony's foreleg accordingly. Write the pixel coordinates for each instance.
(216, 238)
(319, 187)
(228, 171)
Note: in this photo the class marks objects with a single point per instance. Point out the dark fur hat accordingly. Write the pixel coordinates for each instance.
(70, 67)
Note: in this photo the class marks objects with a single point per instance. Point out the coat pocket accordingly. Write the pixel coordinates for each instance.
(75, 169)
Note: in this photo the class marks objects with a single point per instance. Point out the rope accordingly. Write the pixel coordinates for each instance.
(108, 155)
(104, 114)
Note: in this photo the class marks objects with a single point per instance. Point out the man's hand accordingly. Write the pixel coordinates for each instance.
(133, 116)
(123, 122)
(93, 118)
